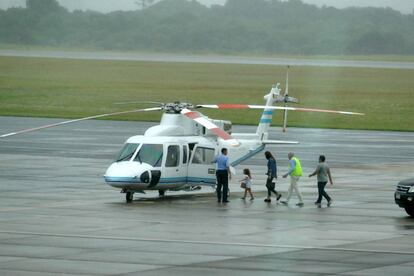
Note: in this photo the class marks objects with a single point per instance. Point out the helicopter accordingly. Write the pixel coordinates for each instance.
(178, 153)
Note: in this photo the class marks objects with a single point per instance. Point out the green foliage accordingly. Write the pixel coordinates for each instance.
(240, 26)
(42, 7)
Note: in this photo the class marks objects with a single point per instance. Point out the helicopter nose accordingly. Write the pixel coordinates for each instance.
(128, 173)
(132, 175)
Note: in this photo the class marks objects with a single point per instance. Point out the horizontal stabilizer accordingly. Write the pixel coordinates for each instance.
(286, 99)
(278, 142)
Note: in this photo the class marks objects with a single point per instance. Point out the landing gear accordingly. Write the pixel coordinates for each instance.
(161, 192)
(129, 196)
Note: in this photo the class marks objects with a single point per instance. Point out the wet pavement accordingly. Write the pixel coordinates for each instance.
(57, 216)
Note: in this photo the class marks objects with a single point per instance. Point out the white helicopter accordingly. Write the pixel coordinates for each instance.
(177, 154)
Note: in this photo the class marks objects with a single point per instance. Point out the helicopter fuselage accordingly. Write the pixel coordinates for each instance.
(171, 162)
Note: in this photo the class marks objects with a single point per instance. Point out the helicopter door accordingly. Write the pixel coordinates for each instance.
(201, 169)
(175, 171)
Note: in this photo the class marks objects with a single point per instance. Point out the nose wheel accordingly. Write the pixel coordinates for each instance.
(129, 196)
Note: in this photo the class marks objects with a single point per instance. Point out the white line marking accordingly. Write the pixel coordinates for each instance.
(209, 242)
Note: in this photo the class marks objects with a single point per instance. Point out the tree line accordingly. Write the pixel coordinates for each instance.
(239, 27)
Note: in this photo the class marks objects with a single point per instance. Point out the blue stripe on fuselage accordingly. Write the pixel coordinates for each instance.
(172, 180)
(265, 121)
(122, 179)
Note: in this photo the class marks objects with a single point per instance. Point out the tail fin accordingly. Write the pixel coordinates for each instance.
(267, 115)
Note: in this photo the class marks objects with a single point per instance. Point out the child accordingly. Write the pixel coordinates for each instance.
(247, 180)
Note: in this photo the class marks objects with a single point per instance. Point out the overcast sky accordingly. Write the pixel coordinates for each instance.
(405, 6)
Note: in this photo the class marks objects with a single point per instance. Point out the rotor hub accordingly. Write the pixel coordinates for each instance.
(176, 107)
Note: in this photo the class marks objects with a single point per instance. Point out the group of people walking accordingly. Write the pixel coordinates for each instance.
(295, 172)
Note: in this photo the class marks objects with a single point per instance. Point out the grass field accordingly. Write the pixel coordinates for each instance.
(77, 88)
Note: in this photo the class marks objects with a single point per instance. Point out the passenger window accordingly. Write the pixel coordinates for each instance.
(173, 156)
(203, 156)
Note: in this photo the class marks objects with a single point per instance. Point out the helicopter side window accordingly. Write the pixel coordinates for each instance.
(185, 156)
(191, 148)
(203, 156)
(127, 152)
(150, 154)
(173, 156)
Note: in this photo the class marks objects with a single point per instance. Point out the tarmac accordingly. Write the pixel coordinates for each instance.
(57, 215)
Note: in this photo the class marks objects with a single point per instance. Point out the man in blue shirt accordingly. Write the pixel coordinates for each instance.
(223, 175)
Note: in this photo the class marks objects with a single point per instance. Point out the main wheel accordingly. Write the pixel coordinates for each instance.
(410, 210)
(161, 192)
(129, 196)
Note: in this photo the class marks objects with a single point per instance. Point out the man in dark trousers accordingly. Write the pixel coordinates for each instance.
(323, 172)
(271, 174)
(223, 175)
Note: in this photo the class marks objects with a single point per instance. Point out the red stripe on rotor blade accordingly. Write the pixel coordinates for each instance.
(192, 115)
(221, 133)
(233, 106)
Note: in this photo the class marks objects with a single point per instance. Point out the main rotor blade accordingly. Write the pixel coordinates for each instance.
(245, 106)
(139, 102)
(210, 126)
(78, 120)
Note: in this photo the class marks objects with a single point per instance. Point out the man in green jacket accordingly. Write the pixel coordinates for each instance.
(295, 172)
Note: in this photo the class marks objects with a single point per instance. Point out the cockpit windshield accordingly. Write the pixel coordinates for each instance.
(127, 152)
(150, 154)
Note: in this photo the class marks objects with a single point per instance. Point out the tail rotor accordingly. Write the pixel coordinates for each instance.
(286, 99)
(285, 113)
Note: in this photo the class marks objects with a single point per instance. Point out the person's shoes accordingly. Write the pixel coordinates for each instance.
(300, 204)
(252, 198)
(226, 201)
(330, 202)
(267, 200)
(242, 198)
(278, 197)
(284, 202)
(317, 203)
(219, 201)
